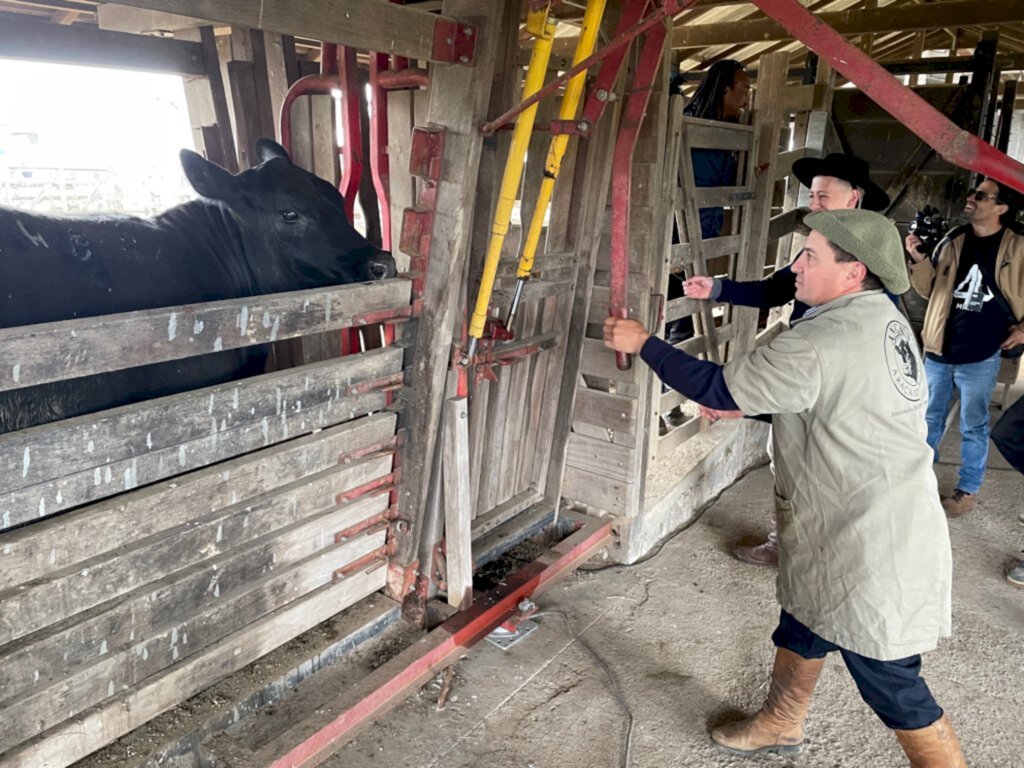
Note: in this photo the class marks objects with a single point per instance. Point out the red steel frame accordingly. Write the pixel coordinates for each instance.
(622, 172)
(445, 644)
(952, 142)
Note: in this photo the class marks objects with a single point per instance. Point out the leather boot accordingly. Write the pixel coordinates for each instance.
(934, 746)
(778, 727)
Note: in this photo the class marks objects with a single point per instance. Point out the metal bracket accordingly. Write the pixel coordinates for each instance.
(517, 628)
(454, 42)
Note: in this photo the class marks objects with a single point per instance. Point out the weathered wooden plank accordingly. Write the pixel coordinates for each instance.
(598, 456)
(189, 634)
(712, 248)
(35, 663)
(458, 511)
(366, 24)
(596, 490)
(598, 360)
(34, 354)
(94, 47)
(29, 553)
(61, 465)
(505, 511)
(683, 307)
(707, 197)
(65, 593)
(714, 134)
(79, 736)
(679, 435)
(604, 409)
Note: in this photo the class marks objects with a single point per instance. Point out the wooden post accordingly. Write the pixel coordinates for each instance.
(457, 504)
(771, 81)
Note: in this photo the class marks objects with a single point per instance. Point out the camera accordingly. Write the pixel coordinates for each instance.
(930, 228)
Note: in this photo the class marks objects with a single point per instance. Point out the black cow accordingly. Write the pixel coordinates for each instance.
(269, 229)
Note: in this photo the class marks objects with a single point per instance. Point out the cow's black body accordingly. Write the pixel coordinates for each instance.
(269, 229)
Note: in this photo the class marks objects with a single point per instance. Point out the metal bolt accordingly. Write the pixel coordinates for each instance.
(602, 94)
(464, 59)
(467, 31)
(449, 40)
(526, 605)
(583, 126)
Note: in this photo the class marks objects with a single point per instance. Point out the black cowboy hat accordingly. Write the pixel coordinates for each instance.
(848, 168)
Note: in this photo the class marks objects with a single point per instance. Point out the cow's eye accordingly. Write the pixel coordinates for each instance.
(290, 216)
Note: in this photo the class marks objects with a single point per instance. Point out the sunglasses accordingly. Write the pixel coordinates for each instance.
(980, 196)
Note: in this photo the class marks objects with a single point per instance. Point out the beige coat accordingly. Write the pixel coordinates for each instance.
(864, 556)
(936, 284)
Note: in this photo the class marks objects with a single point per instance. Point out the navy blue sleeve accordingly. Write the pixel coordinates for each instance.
(775, 290)
(699, 380)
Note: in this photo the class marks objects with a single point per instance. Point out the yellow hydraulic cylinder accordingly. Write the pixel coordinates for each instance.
(538, 23)
(556, 151)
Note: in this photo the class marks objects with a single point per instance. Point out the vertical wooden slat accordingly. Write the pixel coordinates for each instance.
(457, 504)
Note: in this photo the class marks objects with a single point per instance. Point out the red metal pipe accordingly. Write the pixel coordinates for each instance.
(669, 8)
(380, 168)
(445, 644)
(600, 93)
(351, 93)
(309, 85)
(622, 174)
(956, 145)
(394, 79)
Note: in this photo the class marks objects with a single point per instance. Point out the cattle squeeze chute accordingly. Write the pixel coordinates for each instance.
(169, 512)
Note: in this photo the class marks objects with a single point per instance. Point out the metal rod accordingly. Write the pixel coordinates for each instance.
(543, 27)
(622, 175)
(669, 8)
(556, 151)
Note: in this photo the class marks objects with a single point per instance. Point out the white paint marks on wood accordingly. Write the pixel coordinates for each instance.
(172, 326)
(26, 462)
(16, 373)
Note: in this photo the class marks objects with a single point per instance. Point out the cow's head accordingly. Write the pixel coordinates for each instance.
(293, 223)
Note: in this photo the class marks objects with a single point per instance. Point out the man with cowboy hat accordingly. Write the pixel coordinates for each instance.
(836, 181)
(864, 555)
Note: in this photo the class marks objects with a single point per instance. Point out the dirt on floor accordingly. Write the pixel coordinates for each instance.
(633, 665)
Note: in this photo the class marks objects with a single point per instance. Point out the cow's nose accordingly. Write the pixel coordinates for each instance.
(382, 267)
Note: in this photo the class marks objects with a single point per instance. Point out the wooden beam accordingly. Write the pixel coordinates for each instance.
(93, 47)
(457, 504)
(857, 22)
(366, 24)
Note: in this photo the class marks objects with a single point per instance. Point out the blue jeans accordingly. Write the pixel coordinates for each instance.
(975, 382)
(895, 690)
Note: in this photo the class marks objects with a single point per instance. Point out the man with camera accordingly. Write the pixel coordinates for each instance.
(974, 284)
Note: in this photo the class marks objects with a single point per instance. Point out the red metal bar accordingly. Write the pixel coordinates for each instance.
(352, 165)
(395, 79)
(669, 8)
(956, 145)
(601, 92)
(380, 168)
(305, 86)
(395, 679)
(622, 174)
(382, 484)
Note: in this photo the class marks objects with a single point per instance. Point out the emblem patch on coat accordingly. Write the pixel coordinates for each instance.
(902, 360)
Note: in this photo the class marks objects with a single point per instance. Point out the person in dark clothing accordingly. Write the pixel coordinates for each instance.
(723, 94)
(836, 182)
(975, 292)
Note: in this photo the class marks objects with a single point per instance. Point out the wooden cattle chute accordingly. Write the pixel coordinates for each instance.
(204, 528)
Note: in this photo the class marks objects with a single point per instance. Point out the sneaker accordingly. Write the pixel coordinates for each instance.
(762, 554)
(959, 504)
(1016, 576)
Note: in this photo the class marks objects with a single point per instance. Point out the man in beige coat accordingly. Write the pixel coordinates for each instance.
(864, 556)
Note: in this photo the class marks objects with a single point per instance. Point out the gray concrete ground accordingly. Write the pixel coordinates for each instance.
(646, 658)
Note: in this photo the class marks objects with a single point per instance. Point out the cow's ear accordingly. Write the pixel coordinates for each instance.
(206, 178)
(268, 149)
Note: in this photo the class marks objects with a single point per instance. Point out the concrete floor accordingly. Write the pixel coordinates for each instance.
(646, 658)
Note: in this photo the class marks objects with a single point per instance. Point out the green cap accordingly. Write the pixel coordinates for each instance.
(869, 236)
